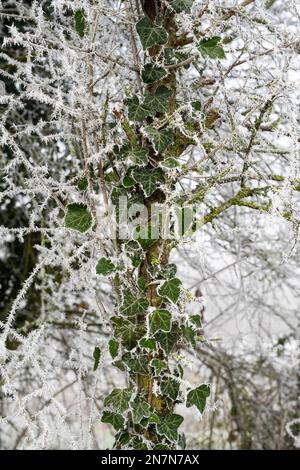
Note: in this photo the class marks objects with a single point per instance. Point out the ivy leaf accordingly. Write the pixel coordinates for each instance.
(129, 332)
(113, 347)
(198, 397)
(143, 235)
(79, 17)
(136, 111)
(209, 48)
(170, 162)
(196, 319)
(148, 343)
(115, 419)
(138, 156)
(170, 289)
(96, 356)
(182, 5)
(138, 443)
(170, 388)
(152, 73)
(189, 335)
(78, 217)
(137, 364)
(160, 139)
(105, 267)
(167, 340)
(140, 409)
(158, 365)
(119, 399)
(160, 320)
(133, 305)
(148, 179)
(169, 426)
(157, 102)
(151, 34)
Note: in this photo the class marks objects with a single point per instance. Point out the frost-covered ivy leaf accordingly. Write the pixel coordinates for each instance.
(160, 139)
(198, 397)
(148, 179)
(158, 102)
(79, 17)
(140, 409)
(196, 319)
(152, 73)
(189, 335)
(115, 419)
(136, 110)
(128, 182)
(170, 289)
(78, 217)
(209, 47)
(137, 364)
(137, 443)
(133, 305)
(160, 320)
(150, 33)
(105, 267)
(170, 162)
(144, 235)
(129, 332)
(158, 365)
(182, 5)
(119, 399)
(113, 347)
(170, 388)
(167, 341)
(169, 427)
(138, 156)
(148, 343)
(96, 356)
(122, 438)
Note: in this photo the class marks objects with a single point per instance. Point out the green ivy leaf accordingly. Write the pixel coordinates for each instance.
(133, 305)
(169, 427)
(158, 365)
(167, 341)
(209, 48)
(105, 267)
(189, 335)
(151, 34)
(143, 235)
(128, 182)
(152, 73)
(96, 356)
(129, 332)
(113, 418)
(113, 347)
(138, 443)
(196, 319)
(119, 399)
(160, 139)
(148, 179)
(182, 5)
(170, 388)
(148, 343)
(79, 17)
(158, 102)
(171, 290)
(138, 156)
(136, 110)
(140, 409)
(78, 217)
(198, 397)
(170, 162)
(137, 364)
(160, 320)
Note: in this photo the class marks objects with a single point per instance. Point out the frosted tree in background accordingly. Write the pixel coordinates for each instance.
(150, 178)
